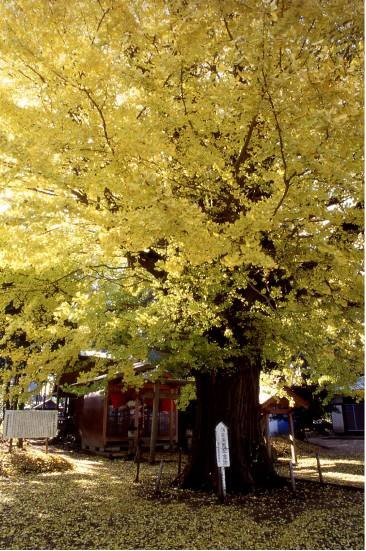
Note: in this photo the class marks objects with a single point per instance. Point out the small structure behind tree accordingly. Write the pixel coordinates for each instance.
(282, 405)
(348, 414)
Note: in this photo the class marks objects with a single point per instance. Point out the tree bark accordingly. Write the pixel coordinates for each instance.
(231, 397)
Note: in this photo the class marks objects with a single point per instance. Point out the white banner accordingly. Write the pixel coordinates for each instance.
(30, 424)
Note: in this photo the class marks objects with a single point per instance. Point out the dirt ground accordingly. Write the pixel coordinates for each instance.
(347, 446)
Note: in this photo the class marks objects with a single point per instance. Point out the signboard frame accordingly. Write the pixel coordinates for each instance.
(30, 423)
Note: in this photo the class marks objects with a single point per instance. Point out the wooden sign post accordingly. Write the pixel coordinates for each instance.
(138, 461)
(158, 479)
(292, 439)
(179, 460)
(222, 456)
(154, 422)
(321, 480)
(292, 476)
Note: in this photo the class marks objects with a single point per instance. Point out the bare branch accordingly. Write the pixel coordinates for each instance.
(278, 127)
(287, 188)
(184, 100)
(227, 29)
(244, 153)
(286, 179)
(105, 12)
(96, 266)
(141, 113)
(45, 191)
(305, 38)
(263, 297)
(80, 196)
(72, 273)
(182, 91)
(101, 115)
(35, 72)
(284, 195)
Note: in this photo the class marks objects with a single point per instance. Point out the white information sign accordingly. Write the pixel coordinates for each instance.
(222, 446)
(30, 424)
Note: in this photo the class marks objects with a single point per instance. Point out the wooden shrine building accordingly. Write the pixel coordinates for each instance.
(118, 418)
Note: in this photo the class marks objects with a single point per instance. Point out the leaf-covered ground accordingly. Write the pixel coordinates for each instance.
(337, 468)
(96, 505)
(31, 461)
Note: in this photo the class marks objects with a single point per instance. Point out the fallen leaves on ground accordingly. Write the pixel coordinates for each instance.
(281, 446)
(31, 461)
(97, 505)
(336, 468)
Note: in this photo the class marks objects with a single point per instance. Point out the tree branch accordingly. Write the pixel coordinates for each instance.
(228, 30)
(182, 91)
(141, 113)
(305, 39)
(105, 12)
(101, 115)
(263, 297)
(287, 188)
(80, 196)
(244, 154)
(45, 191)
(286, 179)
(278, 127)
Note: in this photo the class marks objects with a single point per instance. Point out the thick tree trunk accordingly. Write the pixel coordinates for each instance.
(231, 397)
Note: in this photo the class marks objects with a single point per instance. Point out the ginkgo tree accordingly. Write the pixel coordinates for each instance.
(184, 177)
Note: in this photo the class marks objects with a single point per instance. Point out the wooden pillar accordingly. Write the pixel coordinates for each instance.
(171, 420)
(105, 415)
(58, 399)
(319, 468)
(154, 422)
(292, 438)
(176, 435)
(138, 406)
(292, 476)
(267, 434)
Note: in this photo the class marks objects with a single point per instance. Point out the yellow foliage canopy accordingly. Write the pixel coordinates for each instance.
(181, 176)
